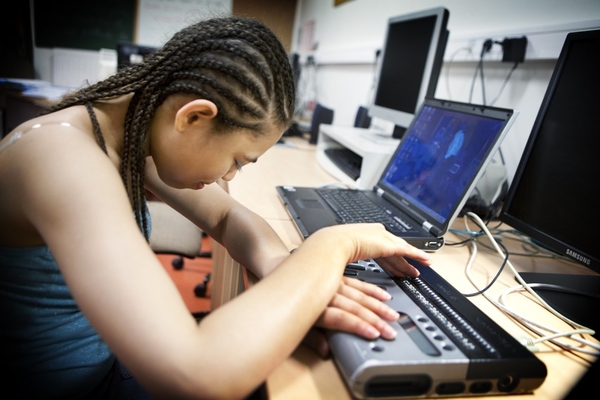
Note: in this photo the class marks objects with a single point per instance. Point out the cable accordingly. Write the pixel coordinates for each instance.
(532, 325)
(503, 86)
(374, 83)
(466, 232)
(473, 82)
(450, 61)
(482, 80)
(478, 70)
(487, 45)
(555, 334)
(495, 278)
(480, 223)
(486, 48)
(530, 247)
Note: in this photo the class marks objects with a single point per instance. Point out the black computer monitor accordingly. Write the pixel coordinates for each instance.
(553, 197)
(409, 66)
(131, 53)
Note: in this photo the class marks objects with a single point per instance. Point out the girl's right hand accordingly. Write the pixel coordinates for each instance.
(359, 307)
(368, 241)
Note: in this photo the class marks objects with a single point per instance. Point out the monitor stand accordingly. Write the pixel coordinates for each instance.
(582, 307)
(398, 132)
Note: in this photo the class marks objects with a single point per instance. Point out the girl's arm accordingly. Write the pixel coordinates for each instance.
(248, 238)
(357, 307)
(74, 197)
(70, 193)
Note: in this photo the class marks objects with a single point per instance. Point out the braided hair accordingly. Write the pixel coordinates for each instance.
(237, 63)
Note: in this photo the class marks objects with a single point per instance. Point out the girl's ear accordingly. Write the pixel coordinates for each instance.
(194, 114)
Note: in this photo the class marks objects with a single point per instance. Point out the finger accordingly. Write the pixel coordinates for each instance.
(367, 288)
(365, 299)
(336, 318)
(316, 340)
(375, 241)
(408, 250)
(371, 319)
(398, 266)
(412, 252)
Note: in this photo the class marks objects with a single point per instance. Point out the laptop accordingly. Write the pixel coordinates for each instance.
(426, 182)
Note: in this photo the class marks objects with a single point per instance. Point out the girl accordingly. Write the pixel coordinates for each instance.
(80, 289)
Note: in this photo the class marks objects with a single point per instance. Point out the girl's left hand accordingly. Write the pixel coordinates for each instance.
(357, 307)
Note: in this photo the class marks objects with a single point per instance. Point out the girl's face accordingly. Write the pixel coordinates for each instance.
(222, 156)
(202, 157)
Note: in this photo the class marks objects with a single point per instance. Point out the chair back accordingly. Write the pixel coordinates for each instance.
(172, 233)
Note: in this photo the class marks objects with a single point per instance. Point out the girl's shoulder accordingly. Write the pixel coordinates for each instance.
(58, 142)
(49, 131)
(52, 166)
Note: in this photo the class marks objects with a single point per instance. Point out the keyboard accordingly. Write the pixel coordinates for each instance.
(353, 206)
(462, 333)
(346, 160)
(445, 346)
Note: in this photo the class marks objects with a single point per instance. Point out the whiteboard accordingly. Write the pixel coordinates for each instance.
(158, 20)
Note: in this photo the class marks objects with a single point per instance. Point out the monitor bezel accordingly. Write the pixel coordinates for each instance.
(546, 238)
(437, 46)
(126, 49)
(441, 226)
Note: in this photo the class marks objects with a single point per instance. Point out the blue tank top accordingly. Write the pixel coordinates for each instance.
(47, 346)
(48, 349)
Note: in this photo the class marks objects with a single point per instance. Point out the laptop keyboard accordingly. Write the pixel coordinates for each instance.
(353, 206)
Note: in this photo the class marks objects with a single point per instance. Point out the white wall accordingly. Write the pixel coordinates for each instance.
(158, 20)
(347, 35)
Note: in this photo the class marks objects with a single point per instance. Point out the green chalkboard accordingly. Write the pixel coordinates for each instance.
(82, 24)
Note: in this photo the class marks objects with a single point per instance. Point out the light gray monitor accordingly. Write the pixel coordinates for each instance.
(410, 64)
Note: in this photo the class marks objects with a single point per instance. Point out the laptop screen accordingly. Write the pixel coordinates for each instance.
(439, 157)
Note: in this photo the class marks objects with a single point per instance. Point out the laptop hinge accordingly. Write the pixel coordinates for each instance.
(434, 230)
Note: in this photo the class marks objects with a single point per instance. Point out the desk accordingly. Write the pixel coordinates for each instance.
(305, 375)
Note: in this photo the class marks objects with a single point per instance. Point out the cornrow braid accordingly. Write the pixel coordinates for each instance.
(97, 131)
(237, 63)
(235, 74)
(223, 90)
